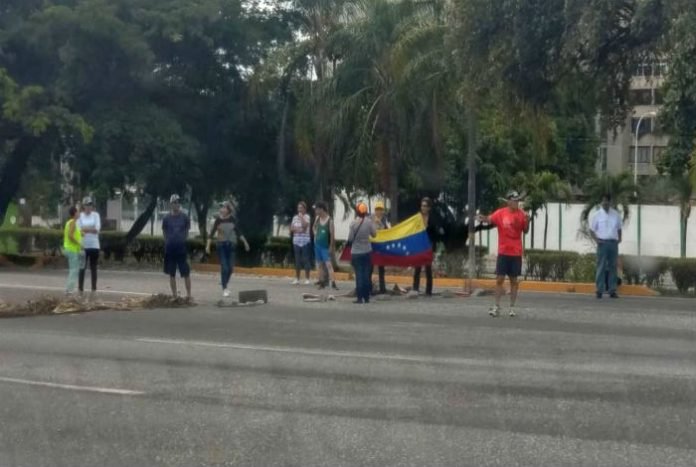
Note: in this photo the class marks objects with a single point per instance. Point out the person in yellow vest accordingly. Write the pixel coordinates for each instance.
(72, 247)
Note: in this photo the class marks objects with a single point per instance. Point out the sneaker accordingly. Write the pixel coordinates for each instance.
(307, 282)
(295, 282)
(334, 286)
(494, 311)
(614, 295)
(599, 295)
(226, 293)
(512, 312)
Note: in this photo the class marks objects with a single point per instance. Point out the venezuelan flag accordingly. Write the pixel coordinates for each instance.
(404, 245)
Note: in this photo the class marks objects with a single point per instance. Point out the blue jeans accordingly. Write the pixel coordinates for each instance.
(363, 281)
(73, 270)
(225, 252)
(607, 256)
(303, 259)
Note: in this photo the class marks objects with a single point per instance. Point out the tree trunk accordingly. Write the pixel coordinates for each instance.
(280, 158)
(202, 214)
(141, 221)
(546, 225)
(684, 219)
(532, 239)
(12, 171)
(393, 189)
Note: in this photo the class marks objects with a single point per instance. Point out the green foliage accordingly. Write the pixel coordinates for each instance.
(549, 265)
(684, 274)
(584, 269)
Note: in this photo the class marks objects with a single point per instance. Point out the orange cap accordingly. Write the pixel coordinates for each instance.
(361, 208)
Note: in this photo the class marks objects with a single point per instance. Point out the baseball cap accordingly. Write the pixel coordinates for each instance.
(379, 205)
(512, 195)
(87, 201)
(174, 199)
(361, 208)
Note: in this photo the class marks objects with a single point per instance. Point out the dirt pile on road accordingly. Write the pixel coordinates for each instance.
(55, 305)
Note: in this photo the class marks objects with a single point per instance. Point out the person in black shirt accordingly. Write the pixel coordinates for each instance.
(431, 229)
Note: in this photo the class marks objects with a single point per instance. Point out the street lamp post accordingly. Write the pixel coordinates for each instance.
(635, 188)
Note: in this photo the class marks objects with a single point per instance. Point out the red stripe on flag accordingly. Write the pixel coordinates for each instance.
(421, 259)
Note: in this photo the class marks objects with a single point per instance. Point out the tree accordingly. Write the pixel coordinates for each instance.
(540, 189)
(387, 95)
(621, 189)
(31, 124)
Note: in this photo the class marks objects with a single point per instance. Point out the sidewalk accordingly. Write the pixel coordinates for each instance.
(451, 283)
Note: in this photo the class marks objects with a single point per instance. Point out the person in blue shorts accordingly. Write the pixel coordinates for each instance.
(324, 236)
(175, 228)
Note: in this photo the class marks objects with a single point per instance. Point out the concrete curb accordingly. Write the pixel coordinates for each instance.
(448, 282)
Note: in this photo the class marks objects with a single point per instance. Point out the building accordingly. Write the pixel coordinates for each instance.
(617, 149)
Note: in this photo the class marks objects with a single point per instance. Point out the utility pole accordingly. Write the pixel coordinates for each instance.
(471, 198)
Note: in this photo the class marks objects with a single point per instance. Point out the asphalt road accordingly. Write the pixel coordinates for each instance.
(571, 381)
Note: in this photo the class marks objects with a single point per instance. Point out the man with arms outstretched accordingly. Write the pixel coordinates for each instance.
(511, 223)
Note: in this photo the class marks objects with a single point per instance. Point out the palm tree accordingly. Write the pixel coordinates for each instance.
(389, 85)
(541, 188)
(305, 65)
(621, 189)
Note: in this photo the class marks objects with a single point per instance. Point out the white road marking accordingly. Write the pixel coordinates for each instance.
(679, 371)
(62, 289)
(72, 387)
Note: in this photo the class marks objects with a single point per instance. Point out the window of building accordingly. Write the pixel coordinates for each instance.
(641, 97)
(660, 69)
(644, 69)
(643, 154)
(659, 97)
(646, 126)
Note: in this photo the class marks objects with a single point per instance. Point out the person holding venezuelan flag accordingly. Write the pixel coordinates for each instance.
(381, 223)
(361, 230)
(425, 210)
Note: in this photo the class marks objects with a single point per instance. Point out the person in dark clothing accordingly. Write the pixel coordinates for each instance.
(175, 228)
(431, 229)
(89, 224)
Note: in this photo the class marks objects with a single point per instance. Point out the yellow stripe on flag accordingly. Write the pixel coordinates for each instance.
(410, 226)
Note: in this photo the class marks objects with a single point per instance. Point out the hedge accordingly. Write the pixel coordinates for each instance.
(684, 274)
(113, 244)
(544, 265)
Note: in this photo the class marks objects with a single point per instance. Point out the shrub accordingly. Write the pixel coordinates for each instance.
(683, 273)
(654, 269)
(454, 263)
(50, 241)
(584, 268)
(549, 265)
(26, 240)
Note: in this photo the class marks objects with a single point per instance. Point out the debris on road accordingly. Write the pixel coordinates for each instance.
(66, 305)
(321, 298)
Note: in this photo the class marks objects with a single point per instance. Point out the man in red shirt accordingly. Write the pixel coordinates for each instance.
(511, 222)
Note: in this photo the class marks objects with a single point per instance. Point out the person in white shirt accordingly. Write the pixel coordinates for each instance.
(302, 242)
(89, 224)
(605, 229)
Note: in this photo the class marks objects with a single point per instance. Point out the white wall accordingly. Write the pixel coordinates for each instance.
(659, 232)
